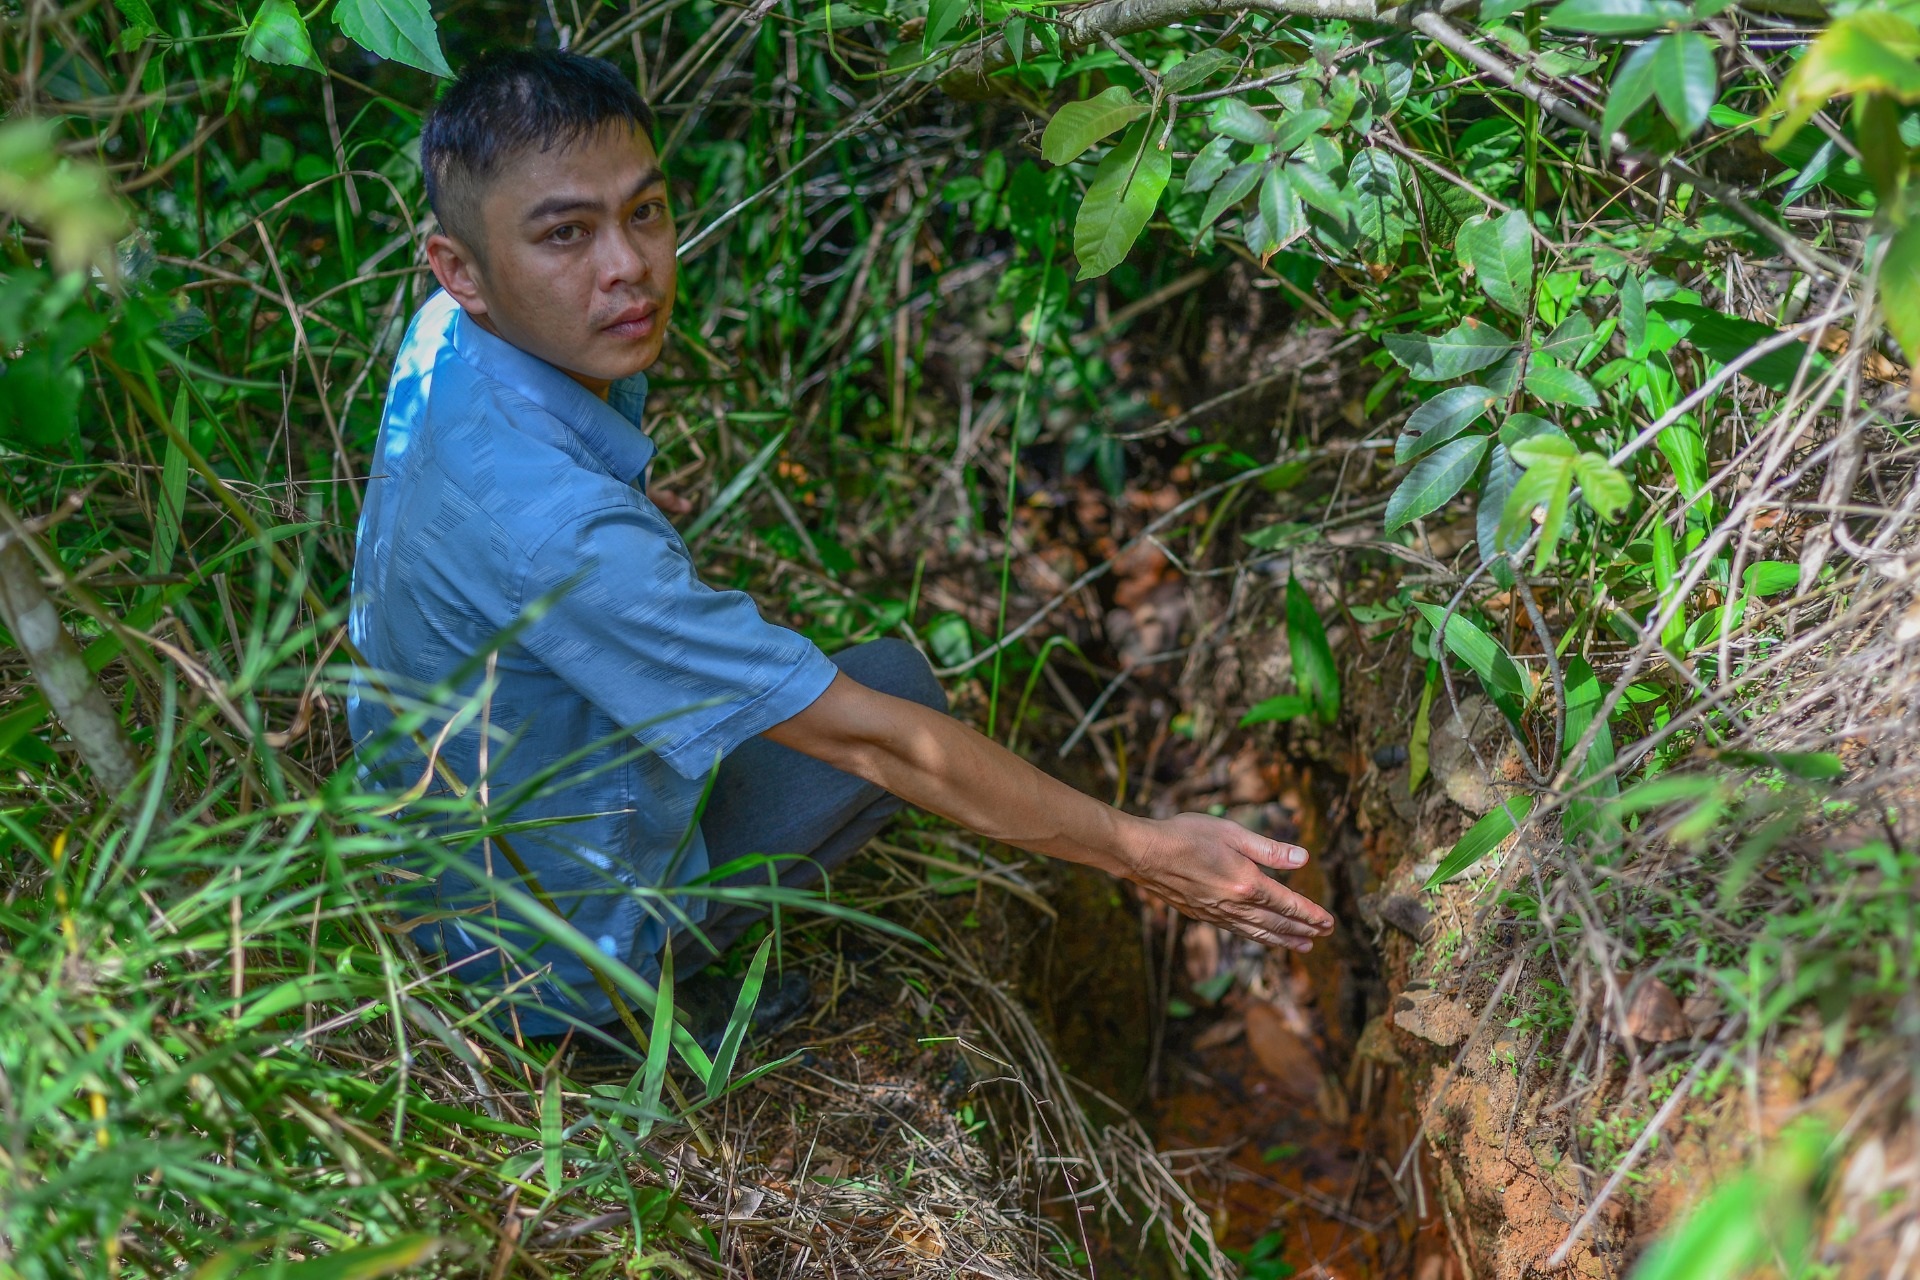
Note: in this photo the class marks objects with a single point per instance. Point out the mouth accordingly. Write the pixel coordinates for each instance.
(634, 323)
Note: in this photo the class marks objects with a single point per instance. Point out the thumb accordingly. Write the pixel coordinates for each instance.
(1277, 854)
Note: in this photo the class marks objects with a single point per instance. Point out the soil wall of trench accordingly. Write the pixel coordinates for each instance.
(1357, 1111)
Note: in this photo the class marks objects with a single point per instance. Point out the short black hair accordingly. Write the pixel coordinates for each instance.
(508, 101)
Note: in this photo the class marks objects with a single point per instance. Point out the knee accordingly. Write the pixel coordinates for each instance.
(895, 667)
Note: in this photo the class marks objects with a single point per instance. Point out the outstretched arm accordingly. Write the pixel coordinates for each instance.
(1208, 868)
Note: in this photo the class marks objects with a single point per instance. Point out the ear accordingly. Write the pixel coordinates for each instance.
(457, 268)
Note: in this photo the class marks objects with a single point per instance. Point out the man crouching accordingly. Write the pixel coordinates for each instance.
(639, 726)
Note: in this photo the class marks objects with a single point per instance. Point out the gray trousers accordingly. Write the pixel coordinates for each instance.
(773, 800)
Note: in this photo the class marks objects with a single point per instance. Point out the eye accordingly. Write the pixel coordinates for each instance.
(650, 211)
(568, 233)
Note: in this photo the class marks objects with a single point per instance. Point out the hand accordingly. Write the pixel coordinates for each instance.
(668, 501)
(1210, 870)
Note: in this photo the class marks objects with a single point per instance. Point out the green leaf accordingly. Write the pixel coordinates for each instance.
(1482, 838)
(1602, 487)
(1440, 420)
(1584, 699)
(1233, 118)
(1666, 571)
(1568, 338)
(398, 30)
(1434, 480)
(172, 505)
(942, 17)
(1872, 51)
(1501, 251)
(1551, 384)
(1685, 80)
(1632, 88)
(1315, 673)
(735, 488)
(737, 1024)
(363, 1262)
(1548, 483)
(1419, 755)
(1287, 533)
(1208, 167)
(1812, 766)
(1633, 315)
(1121, 198)
(1499, 675)
(1015, 35)
(1318, 190)
(1379, 201)
(1726, 338)
(1614, 17)
(1079, 125)
(552, 1145)
(1900, 287)
(1770, 577)
(278, 35)
(1200, 67)
(1296, 129)
(1280, 213)
(1288, 706)
(1502, 475)
(1230, 191)
(1453, 354)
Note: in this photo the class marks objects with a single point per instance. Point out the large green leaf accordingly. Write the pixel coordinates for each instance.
(1440, 420)
(1603, 487)
(278, 34)
(1379, 197)
(1501, 251)
(1315, 673)
(1726, 338)
(1499, 675)
(1281, 217)
(399, 30)
(1615, 17)
(1233, 118)
(942, 17)
(1502, 475)
(1434, 480)
(1900, 287)
(1230, 191)
(1288, 706)
(1632, 88)
(1482, 838)
(1296, 129)
(1870, 51)
(1208, 167)
(1547, 485)
(1551, 384)
(1685, 80)
(1595, 784)
(1318, 190)
(1201, 66)
(1121, 198)
(1079, 125)
(1453, 354)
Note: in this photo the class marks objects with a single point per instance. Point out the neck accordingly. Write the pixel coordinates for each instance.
(599, 386)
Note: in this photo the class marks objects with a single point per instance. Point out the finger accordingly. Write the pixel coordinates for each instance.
(1277, 854)
(1290, 906)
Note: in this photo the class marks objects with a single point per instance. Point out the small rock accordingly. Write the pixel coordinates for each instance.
(1654, 1014)
(1452, 760)
(1433, 1017)
(1703, 1014)
(1407, 914)
(1376, 1044)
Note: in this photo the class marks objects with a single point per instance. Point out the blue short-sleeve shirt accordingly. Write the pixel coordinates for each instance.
(508, 500)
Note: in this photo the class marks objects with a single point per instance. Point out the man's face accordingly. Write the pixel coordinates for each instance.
(576, 264)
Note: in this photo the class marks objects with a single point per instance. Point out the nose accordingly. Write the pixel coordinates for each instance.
(621, 262)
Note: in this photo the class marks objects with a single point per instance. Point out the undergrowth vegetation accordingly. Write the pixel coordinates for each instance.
(1621, 296)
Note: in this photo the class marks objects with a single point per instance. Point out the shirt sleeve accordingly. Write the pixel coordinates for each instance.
(619, 614)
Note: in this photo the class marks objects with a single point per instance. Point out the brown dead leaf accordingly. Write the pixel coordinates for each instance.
(1654, 1014)
(1201, 945)
(1282, 1054)
(920, 1234)
(1223, 1032)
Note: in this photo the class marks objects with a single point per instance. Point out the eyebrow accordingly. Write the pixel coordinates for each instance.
(555, 206)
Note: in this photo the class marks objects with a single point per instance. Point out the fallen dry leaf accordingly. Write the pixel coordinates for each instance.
(1282, 1054)
(1223, 1032)
(1654, 1014)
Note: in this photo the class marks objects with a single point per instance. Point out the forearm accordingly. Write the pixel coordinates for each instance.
(1209, 868)
(940, 765)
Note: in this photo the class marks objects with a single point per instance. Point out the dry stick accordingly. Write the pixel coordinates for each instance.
(59, 667)
(1455, 41)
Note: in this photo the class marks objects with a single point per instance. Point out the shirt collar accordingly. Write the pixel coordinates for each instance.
(609, 428)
